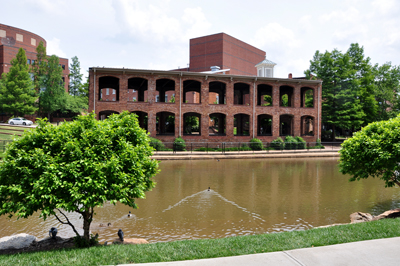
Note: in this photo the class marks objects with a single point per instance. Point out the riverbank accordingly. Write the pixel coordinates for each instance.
(244, 155)
(210, 248)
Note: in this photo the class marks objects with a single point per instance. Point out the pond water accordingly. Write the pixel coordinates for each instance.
(246, 197)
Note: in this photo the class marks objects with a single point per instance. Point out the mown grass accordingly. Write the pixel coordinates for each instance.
(209, 248)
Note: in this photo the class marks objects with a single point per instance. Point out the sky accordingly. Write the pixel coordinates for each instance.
(155, 34)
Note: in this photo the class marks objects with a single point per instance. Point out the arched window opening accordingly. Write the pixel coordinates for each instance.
(241, 93)
(217, 93)
(286, 125)
(192, 124)
(108, 89)
(137, 90)
(264, 95)
(142, 119)
(307, 97)
(241, 123)
(307, 126)
(264, 125)
(217, 125)
(286, 96)
(191, 91)
(165, 91)
(165, 123)
(105, 114)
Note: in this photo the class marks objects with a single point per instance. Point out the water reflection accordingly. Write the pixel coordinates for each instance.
(246, 197)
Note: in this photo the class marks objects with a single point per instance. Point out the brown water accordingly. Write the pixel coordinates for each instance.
(246, 197)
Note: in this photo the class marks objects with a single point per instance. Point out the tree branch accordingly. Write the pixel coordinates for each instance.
(68, 222)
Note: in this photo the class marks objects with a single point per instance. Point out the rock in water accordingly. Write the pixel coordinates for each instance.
(16, 241)
(359, 217)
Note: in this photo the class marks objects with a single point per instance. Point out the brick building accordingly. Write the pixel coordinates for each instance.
(11, 39)
(238, 99)
(226, 52)
(240, 113)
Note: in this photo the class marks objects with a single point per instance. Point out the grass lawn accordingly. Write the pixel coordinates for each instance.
(209, 248)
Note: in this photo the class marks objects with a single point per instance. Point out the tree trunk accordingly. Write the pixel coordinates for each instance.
(86, 224)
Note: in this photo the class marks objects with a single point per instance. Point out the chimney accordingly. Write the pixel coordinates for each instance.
(290, 75)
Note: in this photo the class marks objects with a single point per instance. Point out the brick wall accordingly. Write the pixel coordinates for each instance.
(226, 52)
(204, 109)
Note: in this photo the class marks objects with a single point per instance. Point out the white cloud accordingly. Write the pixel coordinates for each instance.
(53, 48)
(385, 6)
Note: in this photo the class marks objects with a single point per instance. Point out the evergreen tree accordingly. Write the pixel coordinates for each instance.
(52, 93)
(17, 94)
(75, 77)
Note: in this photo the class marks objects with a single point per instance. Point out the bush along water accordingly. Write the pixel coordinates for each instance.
(290, 143)
(179, 144)
(158, 145)
(277, 144)
(256, 144)
(301, 143)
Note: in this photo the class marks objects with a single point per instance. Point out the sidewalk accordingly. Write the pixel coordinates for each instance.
(244, 155)
(370, 252)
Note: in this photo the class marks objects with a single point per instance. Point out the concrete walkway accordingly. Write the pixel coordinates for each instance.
(370, 252)
(244, 155)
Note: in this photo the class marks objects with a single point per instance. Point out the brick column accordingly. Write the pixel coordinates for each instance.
(275, 126)
(296, 125)
(151, 123)
(297, 96)
(204, 130)
(275, 95)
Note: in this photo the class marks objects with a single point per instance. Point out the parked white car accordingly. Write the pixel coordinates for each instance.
(20, 121)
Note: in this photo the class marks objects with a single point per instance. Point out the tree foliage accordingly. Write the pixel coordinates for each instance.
(39, 66)
(75, 77)
(76, 167)
(355, 92)
(374, 151)
(52, 96)
(17, 94)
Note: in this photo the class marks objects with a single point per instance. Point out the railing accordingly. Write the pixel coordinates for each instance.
(242, 147)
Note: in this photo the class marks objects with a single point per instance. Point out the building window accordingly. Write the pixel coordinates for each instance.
(107, 92)
(33, 61)
(260, 72)
(157, 98)
(268, 72)
(29, 61)
(166, 98)
(113, 99)
(113, 91)
(133, 90)
(63, 67)
(134, 99)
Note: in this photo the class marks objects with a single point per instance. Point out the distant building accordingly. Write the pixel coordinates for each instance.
(11, 39)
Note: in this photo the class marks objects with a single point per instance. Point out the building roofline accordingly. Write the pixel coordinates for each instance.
(198, 74)
(25, 31)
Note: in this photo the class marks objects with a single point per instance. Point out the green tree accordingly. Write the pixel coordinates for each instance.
(76, 167)
(75, 77)
(374, 151)
(341, 105)
(39, 66)
(17, 94)
(52, 95)
(387, 90)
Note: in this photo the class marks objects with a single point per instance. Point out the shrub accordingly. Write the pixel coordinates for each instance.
(157, 144)
(290, 143)
(301, 143)
(256, 144)
(179, 144)
(277, 144)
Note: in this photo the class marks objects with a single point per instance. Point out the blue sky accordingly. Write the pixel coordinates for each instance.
(155, 34)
